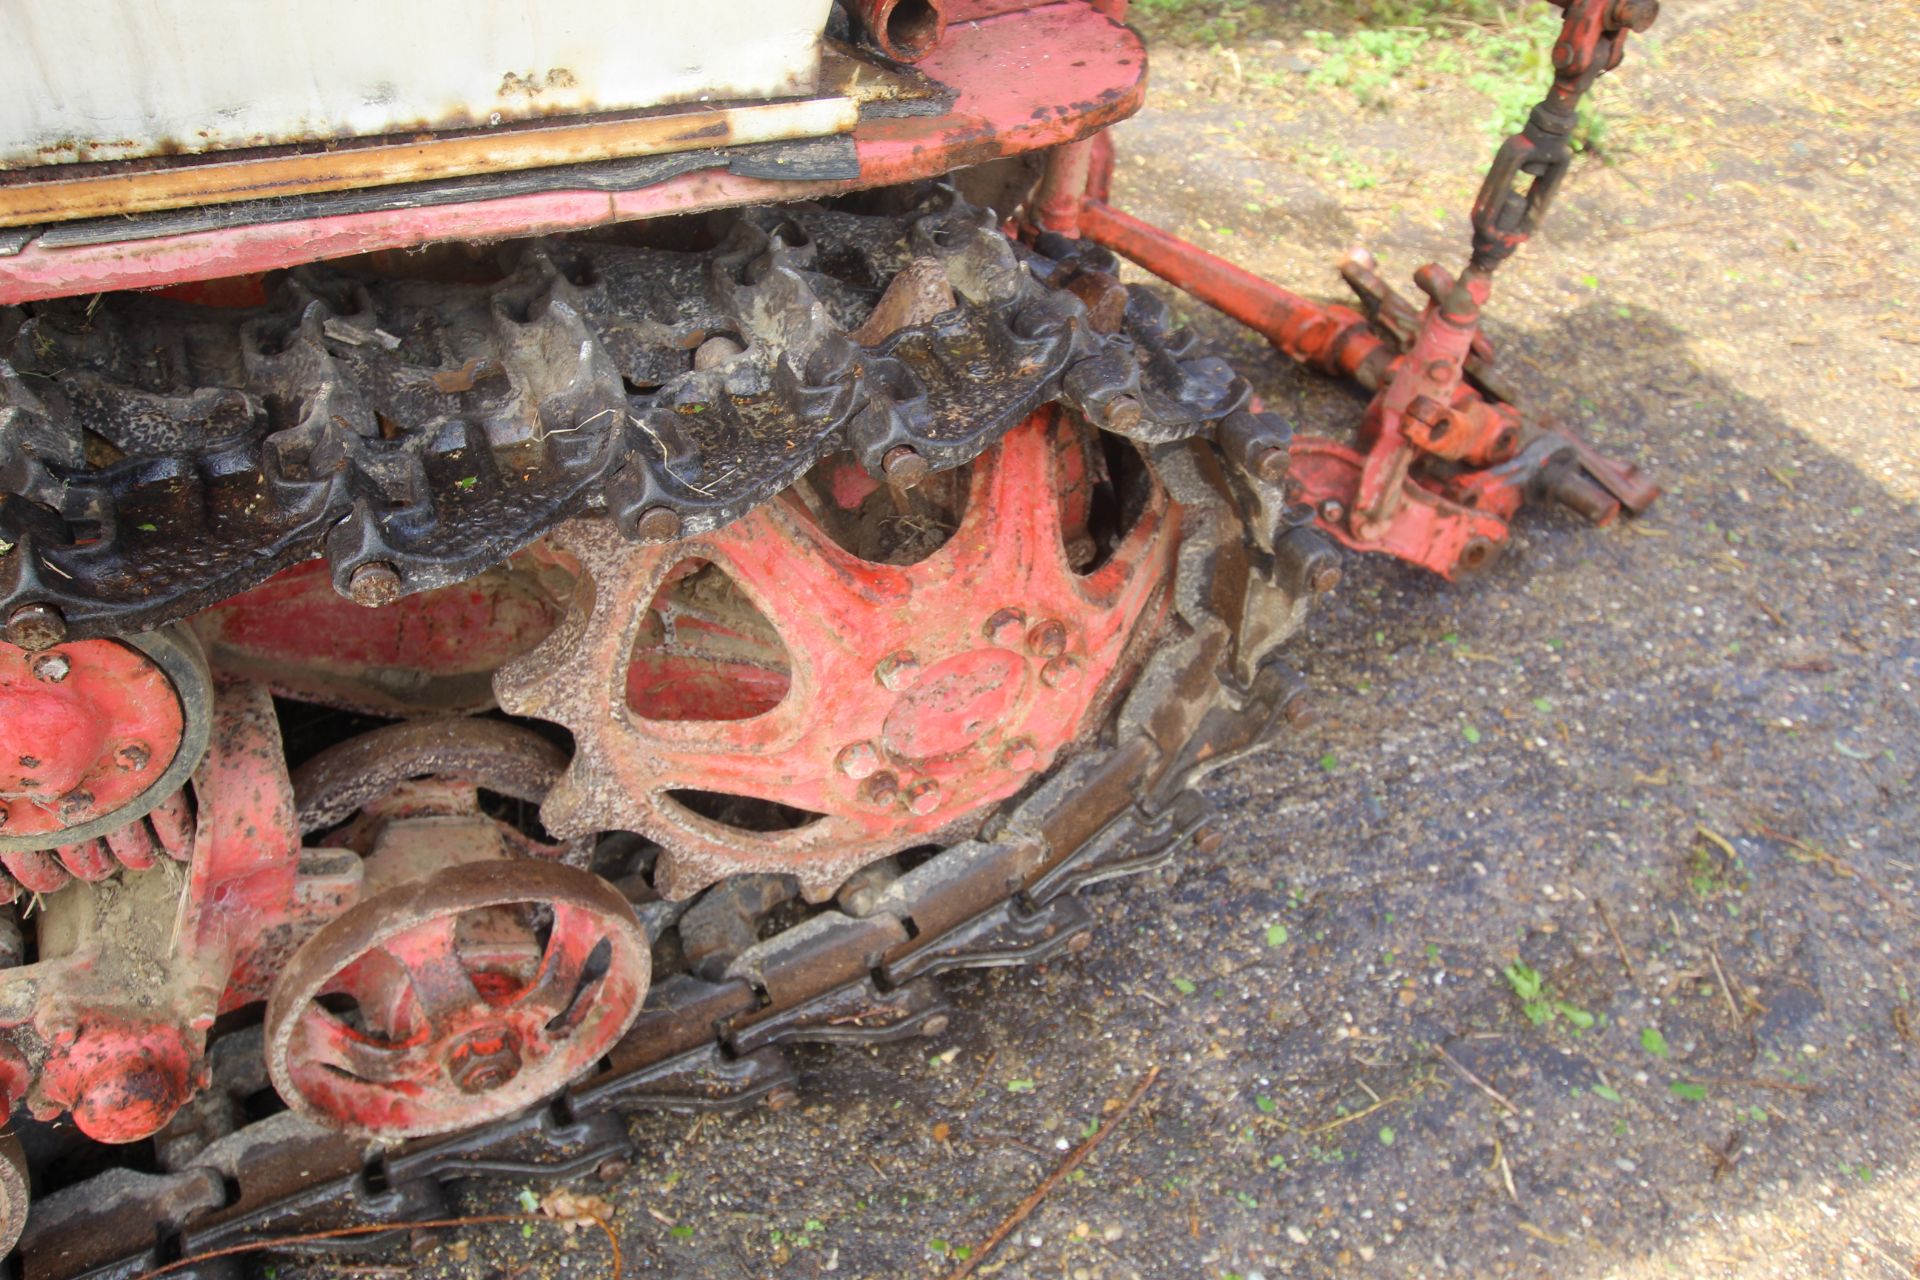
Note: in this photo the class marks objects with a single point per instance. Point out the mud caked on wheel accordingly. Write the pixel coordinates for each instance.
(477, 974)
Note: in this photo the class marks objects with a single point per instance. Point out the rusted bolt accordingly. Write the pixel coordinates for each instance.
(1270, 464)
(1124, 414)
(716, 351)
(657, 524)
(422, 1241)
(1048, 638)
(612, 1169)
(76, 805)
(781, 1097)
(483, 1062)
(1333, 511)
(1440, 370)
(1635, 15)
(1323, 579)
(1477, 554)
(1019, 755)
(132, 758)
(924, 798)
(880, 789)
(1079, 942)
(1208, 839)
(36, 626)
(1006, 627)
(904, 467)
(1061, 673)
(934, 1026)
(52, 667)
(1296, 711)
(897, 671)
(373, 584)
(858, 761)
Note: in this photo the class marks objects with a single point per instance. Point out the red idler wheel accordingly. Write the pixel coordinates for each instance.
(468, 995)
(93, 736)
(915, 695)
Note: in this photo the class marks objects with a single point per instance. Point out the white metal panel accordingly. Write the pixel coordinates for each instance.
(114, 79)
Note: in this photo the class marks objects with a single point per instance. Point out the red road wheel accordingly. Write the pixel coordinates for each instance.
(870, 705)
(456, 999)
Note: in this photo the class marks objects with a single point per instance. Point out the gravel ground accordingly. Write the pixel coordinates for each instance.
(1661, 777)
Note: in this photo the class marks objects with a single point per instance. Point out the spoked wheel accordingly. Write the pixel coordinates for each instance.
(458, 998)
(782, 696)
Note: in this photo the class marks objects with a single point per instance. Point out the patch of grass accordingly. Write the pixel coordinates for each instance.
(1371, 49)
(1540, 1005)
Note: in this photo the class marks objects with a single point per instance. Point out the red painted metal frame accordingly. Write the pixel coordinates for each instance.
(1024, 79)
(122, 1000)
(1437, 469)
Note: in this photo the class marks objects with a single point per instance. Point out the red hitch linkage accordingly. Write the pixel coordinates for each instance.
(1442, 459)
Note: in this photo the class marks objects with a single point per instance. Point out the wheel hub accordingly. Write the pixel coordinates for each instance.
(905, 698)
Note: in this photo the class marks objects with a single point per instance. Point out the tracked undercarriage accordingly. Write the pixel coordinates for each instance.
(455, 693)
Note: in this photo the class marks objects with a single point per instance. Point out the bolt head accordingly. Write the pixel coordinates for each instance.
(934, 1026)
(1323, 579)
(52, 667)
(1333, 511)
(36, 626)
(484, 1061)
(1061, 673)
(1048, 639)
(76, 805)
(373, 584)
(1019, 755)
(858, 761)
(1124, 413)
(657, 525)
(1006, 628)
(924, 798)
(1296, 711)
(132, 758)
(782, 1097)
(897, 671)
(904, 467)
(1208, 839)
(1270, 464)
(881, 789)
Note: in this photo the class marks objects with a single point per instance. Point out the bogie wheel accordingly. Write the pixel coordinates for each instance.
(455, 999)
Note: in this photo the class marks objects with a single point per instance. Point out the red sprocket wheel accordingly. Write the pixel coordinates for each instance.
(888, 704)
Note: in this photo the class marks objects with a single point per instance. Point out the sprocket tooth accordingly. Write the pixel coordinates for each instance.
(677, 877)
(577, 805)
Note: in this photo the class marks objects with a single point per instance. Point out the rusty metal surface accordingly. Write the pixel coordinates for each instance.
(1019, 80)
(443, 1042)
(509, 759)
(838, 979)
(424, 433)
(53, 195)
(920, 693)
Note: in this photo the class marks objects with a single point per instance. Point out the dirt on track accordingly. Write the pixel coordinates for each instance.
(1658, 779)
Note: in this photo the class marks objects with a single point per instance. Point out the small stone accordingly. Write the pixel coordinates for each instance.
(1296, 1235)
